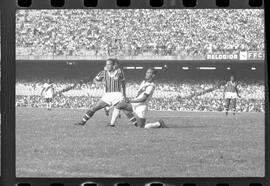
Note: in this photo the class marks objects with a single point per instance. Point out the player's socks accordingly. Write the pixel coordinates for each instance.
(106, 111)
(152, 125)
(132, 118)
(226, 111)
(162, 124)
(85, 118)
(80, 123)
(115, 115)
(110, 125)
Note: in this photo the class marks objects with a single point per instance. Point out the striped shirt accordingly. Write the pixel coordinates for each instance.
(231, 86)
(113, 80)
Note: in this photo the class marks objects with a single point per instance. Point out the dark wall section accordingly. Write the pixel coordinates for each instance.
(69, 70)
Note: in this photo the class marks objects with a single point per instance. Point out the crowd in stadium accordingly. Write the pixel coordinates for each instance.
(167, 96)
(135, 32)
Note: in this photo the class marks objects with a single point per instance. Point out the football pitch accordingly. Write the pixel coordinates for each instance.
(196, 144)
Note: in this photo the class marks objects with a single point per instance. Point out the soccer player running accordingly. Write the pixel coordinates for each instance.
(113, 80)
(48, 92)
(230, 93)
(139, 105)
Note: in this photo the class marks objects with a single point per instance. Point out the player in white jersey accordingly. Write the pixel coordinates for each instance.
(48, 92)
(139, 105)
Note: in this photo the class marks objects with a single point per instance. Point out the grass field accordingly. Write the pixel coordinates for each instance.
(195, 144)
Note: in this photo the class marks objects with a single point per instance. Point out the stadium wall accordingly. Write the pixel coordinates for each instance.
(177, 70)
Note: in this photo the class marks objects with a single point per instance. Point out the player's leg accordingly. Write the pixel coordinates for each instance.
(159, 124)
(50, 104)
(141, 122)
(119, 116)
(131, 117)
(117, 98)
(116, 111)
(227, 105)
(234, 105)
(107, 110)
(47, 103)
(141, 111)
(127, 109)
(99, 105)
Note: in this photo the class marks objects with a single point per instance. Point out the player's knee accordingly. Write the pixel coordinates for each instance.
(97, 107)
(93, 109)
(141, 122)
(120, 105)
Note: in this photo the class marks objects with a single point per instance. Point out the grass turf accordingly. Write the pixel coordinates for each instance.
(196, 144)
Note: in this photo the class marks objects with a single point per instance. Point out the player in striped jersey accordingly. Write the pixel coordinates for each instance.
(139, 105)
(113, 81)
(118, 68)
(230, 94)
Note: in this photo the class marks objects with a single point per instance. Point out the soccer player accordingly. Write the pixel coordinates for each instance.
(48, 92)
(230, 94)
(113, 80)
(139, 105)
(117, 68)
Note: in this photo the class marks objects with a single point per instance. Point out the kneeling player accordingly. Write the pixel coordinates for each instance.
(139, 105)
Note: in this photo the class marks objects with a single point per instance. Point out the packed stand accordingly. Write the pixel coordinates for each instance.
(128, 32)
(168, 96)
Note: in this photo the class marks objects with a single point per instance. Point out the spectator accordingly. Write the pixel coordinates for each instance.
(168, 96)
(132, 32)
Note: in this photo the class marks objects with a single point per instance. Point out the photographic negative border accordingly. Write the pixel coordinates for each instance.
(8, 156)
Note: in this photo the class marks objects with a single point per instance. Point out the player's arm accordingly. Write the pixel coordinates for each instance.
(139, 100)
(149, 90)
(237, 91)
(86, 80)
(99, 77)
(224, 90)
(124, 88)
(123, 83)
(42, 91)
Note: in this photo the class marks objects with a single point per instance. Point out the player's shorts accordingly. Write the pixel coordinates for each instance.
(48, 100)
(112, 98)
(140, 109)
(230, 95)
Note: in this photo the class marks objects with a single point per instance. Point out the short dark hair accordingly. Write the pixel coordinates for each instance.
(111, 59)
(154, 71)
(116, 60)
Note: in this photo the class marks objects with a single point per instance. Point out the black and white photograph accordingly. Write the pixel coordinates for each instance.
(140, 93)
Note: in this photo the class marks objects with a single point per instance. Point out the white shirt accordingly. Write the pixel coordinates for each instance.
(48, 90)
(146, 88)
